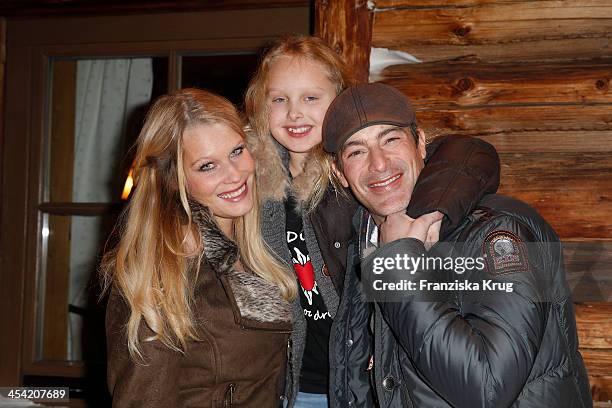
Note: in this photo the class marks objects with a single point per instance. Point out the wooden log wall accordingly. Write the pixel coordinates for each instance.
(532, 77)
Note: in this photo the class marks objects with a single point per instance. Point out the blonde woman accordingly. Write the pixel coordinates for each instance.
(199, 312)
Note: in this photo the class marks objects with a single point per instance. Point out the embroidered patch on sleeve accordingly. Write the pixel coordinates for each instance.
(505, 253)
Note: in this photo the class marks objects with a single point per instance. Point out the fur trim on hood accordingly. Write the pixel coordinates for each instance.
(272, 167)
(256, 298)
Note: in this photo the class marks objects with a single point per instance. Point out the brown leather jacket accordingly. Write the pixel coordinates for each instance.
(243, 326)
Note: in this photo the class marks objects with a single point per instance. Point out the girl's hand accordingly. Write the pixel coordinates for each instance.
(399, 225)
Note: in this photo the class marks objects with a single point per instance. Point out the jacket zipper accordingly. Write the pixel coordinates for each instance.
(228, 399)
(403, 383)
(289, 374)
(289, 349)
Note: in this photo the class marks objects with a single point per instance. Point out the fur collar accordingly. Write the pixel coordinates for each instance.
(272, 164)
(256, 298)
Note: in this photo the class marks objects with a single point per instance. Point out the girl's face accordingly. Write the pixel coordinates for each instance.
(298, 95)
(219, 171)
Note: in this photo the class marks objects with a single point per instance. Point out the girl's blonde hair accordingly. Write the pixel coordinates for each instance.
(313, 49)
(156, 263)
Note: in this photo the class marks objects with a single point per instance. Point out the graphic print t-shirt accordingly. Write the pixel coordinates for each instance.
(315, 366)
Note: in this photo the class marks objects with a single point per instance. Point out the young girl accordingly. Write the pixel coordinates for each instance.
(195, 294)
(303, 219)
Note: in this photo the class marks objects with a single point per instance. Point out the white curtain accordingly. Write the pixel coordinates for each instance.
(107, 93)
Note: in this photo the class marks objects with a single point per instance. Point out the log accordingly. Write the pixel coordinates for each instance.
(587, 269)
(346, 26)
(598, 362)
(482, 121)
(498, 31)
(381, 5)
(537, 50)
(572, 191)
(568, 216)
(557, 172)
(601, 390)
(571, 188)
(594, 321)
(572, 214)
(462, 84)
(553, 141)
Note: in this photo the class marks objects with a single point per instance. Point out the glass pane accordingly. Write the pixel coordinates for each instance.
(71, 322)
(226, 75)
(97, 108)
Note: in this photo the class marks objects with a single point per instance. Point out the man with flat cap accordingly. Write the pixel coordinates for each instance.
(473, 312)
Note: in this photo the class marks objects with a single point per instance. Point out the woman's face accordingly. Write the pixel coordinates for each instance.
(219, 171)
(298, 94)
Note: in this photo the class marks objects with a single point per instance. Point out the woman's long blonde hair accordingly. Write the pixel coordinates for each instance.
(155, 265)
(312, 49)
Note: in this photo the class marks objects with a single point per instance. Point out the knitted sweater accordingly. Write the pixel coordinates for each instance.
(273, 186)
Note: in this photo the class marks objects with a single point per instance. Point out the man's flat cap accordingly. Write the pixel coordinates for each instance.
(361, 106)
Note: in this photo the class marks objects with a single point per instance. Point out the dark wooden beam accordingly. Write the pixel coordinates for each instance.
(47, 8)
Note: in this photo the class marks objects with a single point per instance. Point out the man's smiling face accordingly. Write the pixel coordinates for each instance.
(381, 164)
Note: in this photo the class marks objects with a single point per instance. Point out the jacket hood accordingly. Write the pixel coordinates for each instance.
(272, 169)
(256, 298)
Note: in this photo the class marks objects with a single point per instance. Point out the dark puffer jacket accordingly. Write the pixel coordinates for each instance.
(465, 348)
